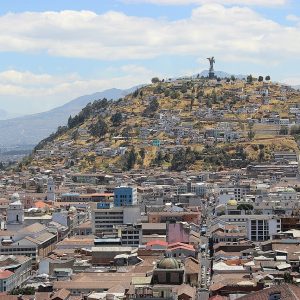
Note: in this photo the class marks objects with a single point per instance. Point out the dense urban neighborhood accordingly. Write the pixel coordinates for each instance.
(187, 188)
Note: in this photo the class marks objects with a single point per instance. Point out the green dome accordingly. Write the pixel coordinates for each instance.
(168, 263)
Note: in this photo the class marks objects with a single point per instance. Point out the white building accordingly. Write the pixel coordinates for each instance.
(51, 189)
(15, 216)
(261, 228)
(105, 220)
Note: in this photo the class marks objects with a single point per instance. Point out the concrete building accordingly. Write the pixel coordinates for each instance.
(131, 235)
(105, 220)
(262, 227)
(34, 241)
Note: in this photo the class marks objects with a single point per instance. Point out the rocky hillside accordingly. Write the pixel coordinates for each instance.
(184, 124)
(30, 129)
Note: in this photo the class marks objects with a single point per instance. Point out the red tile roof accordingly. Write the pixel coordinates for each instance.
(157, 242)
(5, 274)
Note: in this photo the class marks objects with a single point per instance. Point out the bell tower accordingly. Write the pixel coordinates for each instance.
(51, 189)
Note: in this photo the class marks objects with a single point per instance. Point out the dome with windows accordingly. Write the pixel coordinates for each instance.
(168, 263)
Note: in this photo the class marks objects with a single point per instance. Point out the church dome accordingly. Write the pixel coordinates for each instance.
(232, 202)
(168, 263)
(15, 197)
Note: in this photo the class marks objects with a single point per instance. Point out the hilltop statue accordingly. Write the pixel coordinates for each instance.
(211, 73)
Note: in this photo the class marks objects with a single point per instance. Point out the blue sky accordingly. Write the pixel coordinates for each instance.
(52, 51)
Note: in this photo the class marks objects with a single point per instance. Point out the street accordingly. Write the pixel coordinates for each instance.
(204, 256)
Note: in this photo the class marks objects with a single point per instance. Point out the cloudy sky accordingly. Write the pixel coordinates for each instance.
(52, 51)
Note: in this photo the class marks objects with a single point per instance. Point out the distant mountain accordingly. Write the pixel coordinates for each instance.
(4, 115)
(30, 129)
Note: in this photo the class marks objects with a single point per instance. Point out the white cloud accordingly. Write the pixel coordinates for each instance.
(238, 32)
(201, 2)
(26, 92)
(293, 18)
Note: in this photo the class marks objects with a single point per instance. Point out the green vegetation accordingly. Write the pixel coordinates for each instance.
(23, 291)
(98, 129)
(245, 206)
(182, 159)
(116, 119)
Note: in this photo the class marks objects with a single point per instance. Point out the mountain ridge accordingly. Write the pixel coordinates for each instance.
(30, 129)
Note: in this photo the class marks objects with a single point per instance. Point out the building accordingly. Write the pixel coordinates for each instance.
(168, 271)
(15, 216)
(104, 255)
(34, 241)
(95, 197)
(51, 190)
(262, 227)
(15, 270)
(131, 235)
(125, 196)
(285, 156)
(105, 220)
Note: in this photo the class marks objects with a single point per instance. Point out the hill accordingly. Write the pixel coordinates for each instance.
(221, 74)
(186, 124)
(30, 129)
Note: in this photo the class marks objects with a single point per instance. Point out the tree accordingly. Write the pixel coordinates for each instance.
(151, 108)
(98, 129)
(175, 95)
(251, 134)
(284, 130)
(260, 79)
(183, 89)
(295, 130)
(167, 157)
(268, 78)
(192, 103)
(245, 206)
(155, 80)
(142, 153)
(135, 93)
(287, 277)
(23, 291)
(249, 78)
(158, 160)
(130, 159)
(75, 135)
(182, 159)
(116, 119)
(261, 154)
(232, 78)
